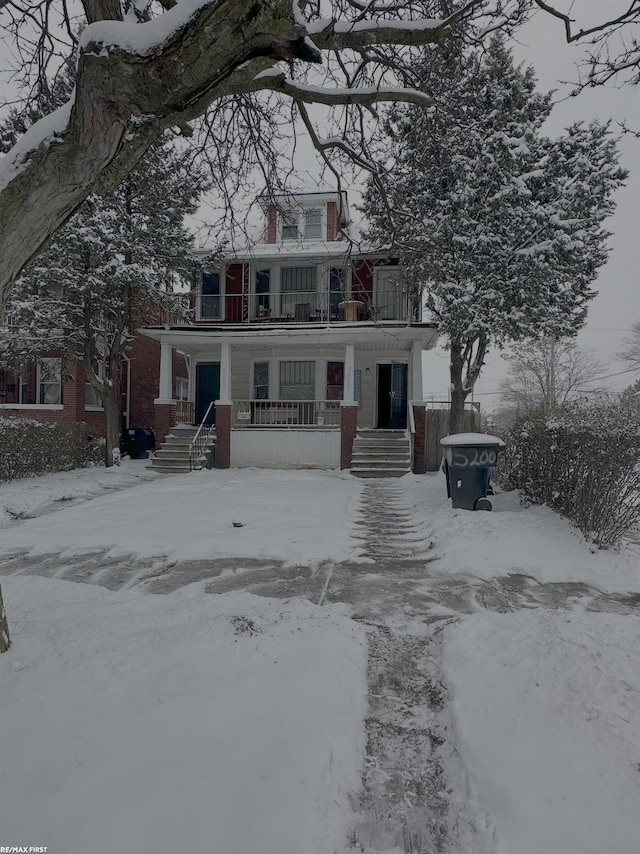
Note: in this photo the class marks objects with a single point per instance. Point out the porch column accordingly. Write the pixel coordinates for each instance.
(166, 370)
(225, 373)
(349, 389)
(416, 371)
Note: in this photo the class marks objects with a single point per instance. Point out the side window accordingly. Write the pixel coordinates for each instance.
(182, 388)
(50, 381)
(91, 397)
(335, 380)
(261, 381)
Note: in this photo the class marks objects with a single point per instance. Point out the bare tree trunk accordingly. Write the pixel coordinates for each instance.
(5, 640)
(458, 393)
(467, 359)
(111, 407)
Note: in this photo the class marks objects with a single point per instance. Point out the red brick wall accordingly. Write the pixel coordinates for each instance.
(348, 427)
(223, 436)
(144, 365)
(163, 421)
(333, 227)
(272, 224)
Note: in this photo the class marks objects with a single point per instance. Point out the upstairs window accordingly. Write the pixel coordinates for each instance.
(210, 303)
(305, 223)
(290, 226)
(313, 224)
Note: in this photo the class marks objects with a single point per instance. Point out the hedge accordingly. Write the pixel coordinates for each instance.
(584, 463)
(29, 447)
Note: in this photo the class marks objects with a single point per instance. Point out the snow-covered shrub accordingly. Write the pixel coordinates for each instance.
(583, 462)
(29, 447)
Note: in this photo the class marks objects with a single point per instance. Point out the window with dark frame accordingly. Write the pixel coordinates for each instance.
(261, 381)
(210, 304)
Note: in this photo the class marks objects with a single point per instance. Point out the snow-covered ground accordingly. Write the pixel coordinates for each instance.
(234, 723)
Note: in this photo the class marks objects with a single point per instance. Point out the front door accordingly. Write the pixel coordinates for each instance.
(207, 389)
(392, 396)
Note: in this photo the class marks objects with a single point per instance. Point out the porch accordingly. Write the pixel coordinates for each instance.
(309, 391)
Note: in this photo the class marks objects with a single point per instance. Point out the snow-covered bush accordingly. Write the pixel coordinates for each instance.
(583, 462)
(29, 447)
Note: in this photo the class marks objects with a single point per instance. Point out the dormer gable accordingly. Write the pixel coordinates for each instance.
(306, 217)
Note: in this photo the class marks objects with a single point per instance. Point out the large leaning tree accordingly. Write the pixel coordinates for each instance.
(499, 227)
(144, 66)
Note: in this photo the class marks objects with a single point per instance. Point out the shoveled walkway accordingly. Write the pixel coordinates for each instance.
(412, 767)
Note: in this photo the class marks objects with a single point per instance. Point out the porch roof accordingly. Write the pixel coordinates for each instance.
(383, 335)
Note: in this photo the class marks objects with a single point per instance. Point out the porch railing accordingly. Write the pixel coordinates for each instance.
(286, 413)
(184, 412)
(316, 306)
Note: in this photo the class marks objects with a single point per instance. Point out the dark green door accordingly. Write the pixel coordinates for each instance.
(392, 396)
(398, 409)
(207, 389)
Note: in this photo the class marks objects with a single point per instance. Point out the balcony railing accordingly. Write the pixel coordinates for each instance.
(286, 413)
(307, 306)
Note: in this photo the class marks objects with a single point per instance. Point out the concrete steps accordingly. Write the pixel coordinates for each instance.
(173, 455)
(383, 453)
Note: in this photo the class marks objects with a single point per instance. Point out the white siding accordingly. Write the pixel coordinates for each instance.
(286, 449)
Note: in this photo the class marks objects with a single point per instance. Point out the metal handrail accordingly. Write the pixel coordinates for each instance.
(199, 441)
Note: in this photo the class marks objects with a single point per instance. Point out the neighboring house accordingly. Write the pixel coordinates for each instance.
(298, 341)
(44, 391)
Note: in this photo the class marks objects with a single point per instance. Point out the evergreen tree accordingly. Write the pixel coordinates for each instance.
(497, 225)
(110, 269)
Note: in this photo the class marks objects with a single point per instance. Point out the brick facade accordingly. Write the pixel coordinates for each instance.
(333, 225)
(272, 224)
(223, 435)
(348, 427)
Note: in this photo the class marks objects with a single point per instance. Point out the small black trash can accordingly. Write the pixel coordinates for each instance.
(469, 459)
(133, 442)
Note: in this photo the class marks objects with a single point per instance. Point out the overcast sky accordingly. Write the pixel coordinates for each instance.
(617, 306)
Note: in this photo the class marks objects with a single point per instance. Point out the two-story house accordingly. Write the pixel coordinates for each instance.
(299, 342)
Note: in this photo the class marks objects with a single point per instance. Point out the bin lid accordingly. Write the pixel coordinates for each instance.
(461, 439)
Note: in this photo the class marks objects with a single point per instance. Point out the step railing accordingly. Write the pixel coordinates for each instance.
(201, 440)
